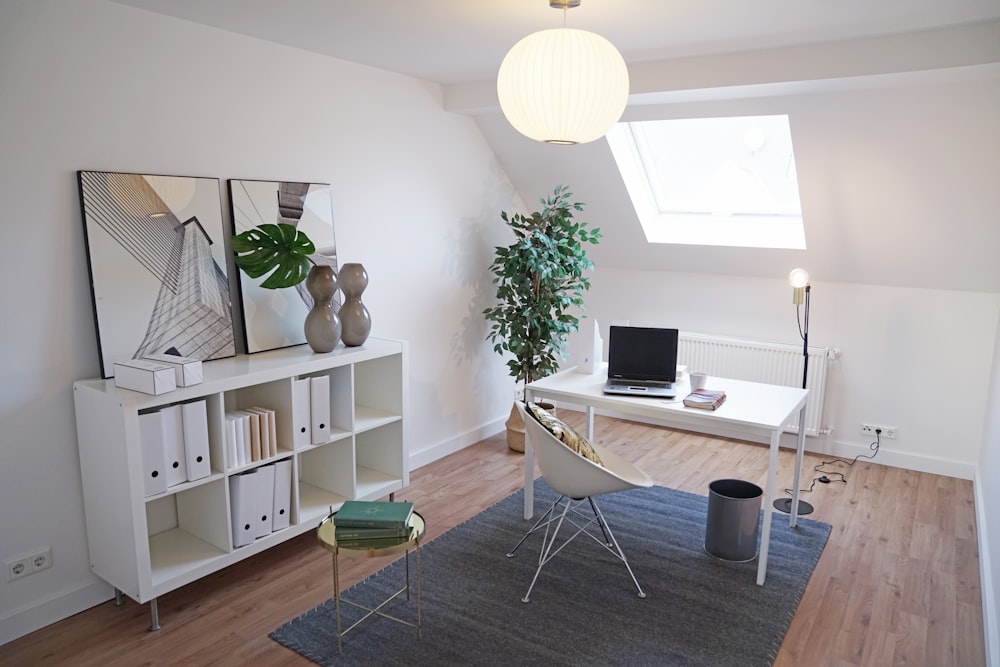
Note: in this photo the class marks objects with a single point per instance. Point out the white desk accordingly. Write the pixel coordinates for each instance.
(752, 408)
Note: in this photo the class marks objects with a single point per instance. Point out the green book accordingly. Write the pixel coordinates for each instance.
(357, 533)
(377, 543)
(373, 514)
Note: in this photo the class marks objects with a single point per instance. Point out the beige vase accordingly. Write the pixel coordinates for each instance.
(515, 426)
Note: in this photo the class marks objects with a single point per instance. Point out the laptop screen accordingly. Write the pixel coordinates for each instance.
(642, 353)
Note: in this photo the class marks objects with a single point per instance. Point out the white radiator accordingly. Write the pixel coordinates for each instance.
(757, 361)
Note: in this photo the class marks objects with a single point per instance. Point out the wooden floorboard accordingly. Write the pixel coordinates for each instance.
(897, 584)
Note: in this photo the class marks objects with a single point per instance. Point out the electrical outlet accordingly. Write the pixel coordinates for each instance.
(29, 563)
(41, 559)
(886, 432)
(17, 568)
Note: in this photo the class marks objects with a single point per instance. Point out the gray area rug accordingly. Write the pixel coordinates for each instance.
(584, 610)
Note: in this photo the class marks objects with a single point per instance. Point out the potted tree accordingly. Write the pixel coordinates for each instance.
(540, 283)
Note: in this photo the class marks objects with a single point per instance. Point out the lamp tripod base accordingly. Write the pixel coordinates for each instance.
(785, 505)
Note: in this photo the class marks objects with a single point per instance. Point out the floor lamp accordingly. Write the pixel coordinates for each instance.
(799, 280)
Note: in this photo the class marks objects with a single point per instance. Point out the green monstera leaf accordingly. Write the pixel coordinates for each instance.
(280, 249)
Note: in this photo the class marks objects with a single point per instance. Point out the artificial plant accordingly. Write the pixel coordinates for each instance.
(279, 248)
(540, 282)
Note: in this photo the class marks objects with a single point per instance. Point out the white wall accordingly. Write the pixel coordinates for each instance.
(916, 359)
(89, 84)
(988, 522)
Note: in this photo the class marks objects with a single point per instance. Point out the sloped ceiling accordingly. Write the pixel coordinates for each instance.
(894, 108)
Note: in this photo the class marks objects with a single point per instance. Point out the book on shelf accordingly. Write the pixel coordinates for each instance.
(362, 533)
(374, 514)
(705, 399)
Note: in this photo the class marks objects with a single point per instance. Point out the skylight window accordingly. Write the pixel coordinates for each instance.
(712, 181)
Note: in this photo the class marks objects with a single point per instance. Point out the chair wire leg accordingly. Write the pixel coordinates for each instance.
(600, 522)
(547, 543)
(544, 518)
(617, 549)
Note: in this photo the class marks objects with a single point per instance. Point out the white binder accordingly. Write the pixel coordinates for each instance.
(247, 441)
(154, 458)
(232, 456)
(301, 417)
(173, 440)
(195, 419)
(319, 407)
(243, 504)
(281, 512)
(265, 499)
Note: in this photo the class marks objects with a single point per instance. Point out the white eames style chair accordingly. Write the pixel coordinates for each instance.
(576, 479)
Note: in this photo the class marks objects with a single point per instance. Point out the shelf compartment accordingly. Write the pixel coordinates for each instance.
(374, 484)
(315, 503)
(377, 450)
(277, 396)
(341, 400)
(187, 529)
(367, 418)
(378, 384)
(325, 476)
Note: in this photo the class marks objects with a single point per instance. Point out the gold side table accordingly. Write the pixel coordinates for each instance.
(327, 538)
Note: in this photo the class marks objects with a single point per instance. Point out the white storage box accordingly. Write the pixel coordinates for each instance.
(146, 376)
(187, 370)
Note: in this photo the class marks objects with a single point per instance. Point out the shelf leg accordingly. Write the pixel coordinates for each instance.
(119, 598)
(154, 616)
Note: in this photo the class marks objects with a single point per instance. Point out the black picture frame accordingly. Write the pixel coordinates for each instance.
(274, 319)
(157, 259)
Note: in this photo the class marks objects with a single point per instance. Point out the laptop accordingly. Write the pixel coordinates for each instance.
(642, 361)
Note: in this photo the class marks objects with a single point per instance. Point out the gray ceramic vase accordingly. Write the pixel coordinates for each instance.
(322, 326)
(356, 321)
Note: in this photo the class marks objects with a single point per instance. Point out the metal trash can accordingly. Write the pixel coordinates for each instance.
(733, 519)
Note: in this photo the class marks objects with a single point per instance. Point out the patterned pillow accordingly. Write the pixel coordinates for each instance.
(565, 433)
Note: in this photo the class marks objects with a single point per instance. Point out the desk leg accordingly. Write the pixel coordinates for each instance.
(590, 423)
(765, 538)
(529, 470)
(800, 445)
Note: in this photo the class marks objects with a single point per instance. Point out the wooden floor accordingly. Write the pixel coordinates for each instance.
(898, 582)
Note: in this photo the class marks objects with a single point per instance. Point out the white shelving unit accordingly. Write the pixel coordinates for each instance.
(148, 546)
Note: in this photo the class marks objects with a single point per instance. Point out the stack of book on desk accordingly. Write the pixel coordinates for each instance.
(362, 524)
(706, 399)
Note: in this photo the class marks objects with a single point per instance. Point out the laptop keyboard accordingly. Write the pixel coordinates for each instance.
(640, 383)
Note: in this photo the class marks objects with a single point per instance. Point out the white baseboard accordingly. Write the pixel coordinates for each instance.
(24, 621)
(828, 446)
(452, 445)
(991, 622)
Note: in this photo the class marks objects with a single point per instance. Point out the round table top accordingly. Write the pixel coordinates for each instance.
(327, 537)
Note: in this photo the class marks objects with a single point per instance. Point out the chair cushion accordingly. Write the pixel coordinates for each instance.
(564, 433)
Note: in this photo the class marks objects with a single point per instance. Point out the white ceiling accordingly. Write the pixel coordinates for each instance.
(720, 57)
(457, 41)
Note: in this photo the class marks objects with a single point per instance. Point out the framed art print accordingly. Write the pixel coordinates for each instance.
(275, 318)
(156, 252)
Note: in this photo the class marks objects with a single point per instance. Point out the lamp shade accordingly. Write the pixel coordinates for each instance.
(798, 278)
(563, 86)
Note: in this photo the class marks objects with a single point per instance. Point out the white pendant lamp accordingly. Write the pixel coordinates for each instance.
(563, 86)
